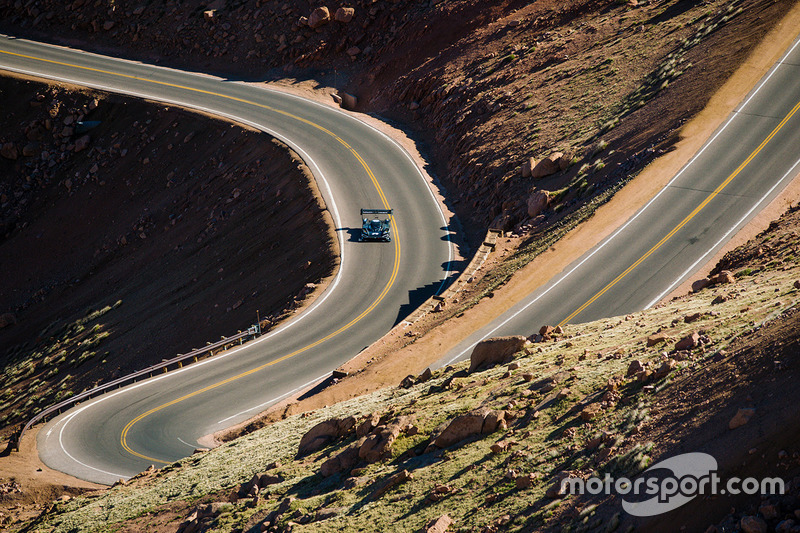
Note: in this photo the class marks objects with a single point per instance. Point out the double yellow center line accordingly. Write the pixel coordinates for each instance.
(689, 217)
(367, 169)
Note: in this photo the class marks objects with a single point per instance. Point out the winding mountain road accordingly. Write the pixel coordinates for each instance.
(159, 420)
(742, 167)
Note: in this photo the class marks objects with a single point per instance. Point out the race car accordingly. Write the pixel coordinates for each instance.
(373, 228)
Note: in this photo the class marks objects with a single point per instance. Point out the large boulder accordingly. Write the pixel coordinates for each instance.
(319, 17)
(547, 166)
(477, 422)
(537, 202)
(325, 433)
(495, 351)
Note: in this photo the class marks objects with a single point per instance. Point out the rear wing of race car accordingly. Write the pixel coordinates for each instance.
(376, 212)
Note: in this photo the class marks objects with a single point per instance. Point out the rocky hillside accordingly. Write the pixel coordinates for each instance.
(119, 216)
(482, 446)
(528, 109)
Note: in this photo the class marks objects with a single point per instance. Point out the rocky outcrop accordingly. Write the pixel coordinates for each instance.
(344, 461)
(324, 434)
(495, 351)
(378, 445)
(481, 421)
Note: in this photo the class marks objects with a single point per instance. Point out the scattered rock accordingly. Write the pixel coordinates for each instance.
(7, 319)
(700, 284)
(495, 351)
(344, 14)
(82, 143)
(438, 525)
(688, 342)
(768, 510)
(693, 317)
(525, 482)
(557, 490)
(426, 375)
(590, 412)
(664, 370)
(547, 166)
(319, 17)
(537, 202)
(397, 479)
(753, 524)
(477, 422)
(722, 278)
(741, 417)
(634, 368)
(324, 433)
(9, 151)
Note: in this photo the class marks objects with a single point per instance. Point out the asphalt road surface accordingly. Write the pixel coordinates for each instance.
(742, 167)
(159, 421)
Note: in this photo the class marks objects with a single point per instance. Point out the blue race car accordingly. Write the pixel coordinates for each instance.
(373, 228)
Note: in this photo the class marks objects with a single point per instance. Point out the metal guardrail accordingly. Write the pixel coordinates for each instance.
(163, 367)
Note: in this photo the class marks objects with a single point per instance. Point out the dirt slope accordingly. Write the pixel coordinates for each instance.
(155, 217)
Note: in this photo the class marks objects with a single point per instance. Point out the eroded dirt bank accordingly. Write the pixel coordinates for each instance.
(149, 234)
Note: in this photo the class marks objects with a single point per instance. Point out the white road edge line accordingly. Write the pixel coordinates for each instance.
(186, 443)
(273, 400)
(733, 228)
(318, 174)
(399, 147)
(602, 245)
(64, 449)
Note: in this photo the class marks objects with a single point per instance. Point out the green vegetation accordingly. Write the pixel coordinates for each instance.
(31, 367)
(476, 485)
